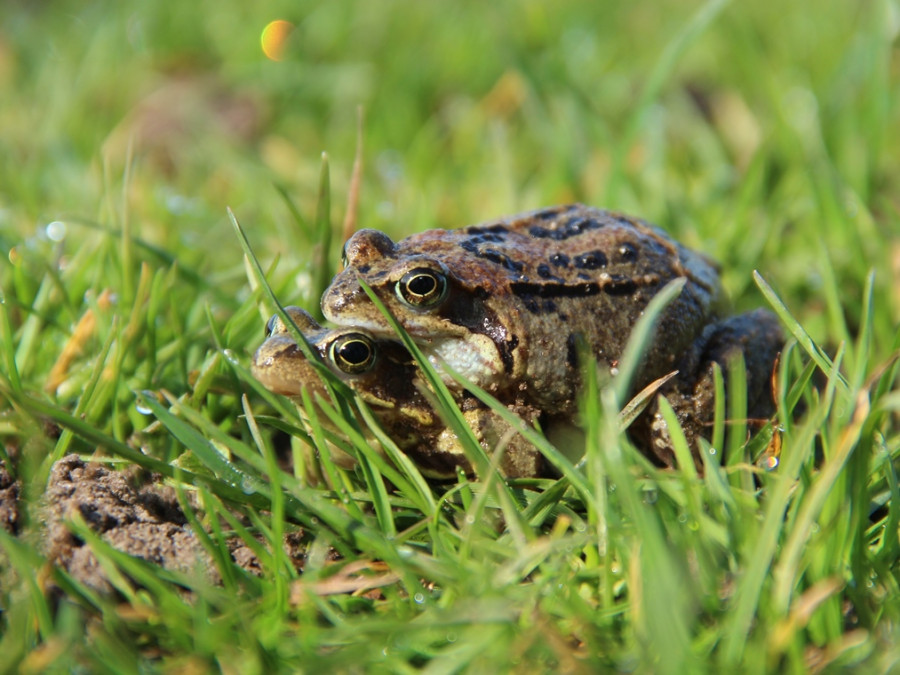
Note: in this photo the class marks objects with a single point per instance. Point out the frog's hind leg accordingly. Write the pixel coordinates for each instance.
(758, 338)
(757, 335)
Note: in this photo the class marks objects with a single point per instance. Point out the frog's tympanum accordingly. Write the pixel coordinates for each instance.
(508, 303)
(386, 377)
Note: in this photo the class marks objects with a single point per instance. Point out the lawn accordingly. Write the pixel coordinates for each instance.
(763, 134)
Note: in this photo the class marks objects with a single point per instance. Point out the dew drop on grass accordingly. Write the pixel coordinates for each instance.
(650, 495)
(141, 408)
(230, 356)
(419, 598)
(771, 463)
(179, 204)
(248, 485)
(55, 231)
(451, 637)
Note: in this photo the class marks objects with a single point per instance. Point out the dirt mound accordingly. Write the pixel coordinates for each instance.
(134, 513)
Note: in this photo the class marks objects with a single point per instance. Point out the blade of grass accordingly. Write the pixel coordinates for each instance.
(321, 255)
(308, 352)
(9, 351)
(299, 220)
(803, 338)
(450, 413)
(762, 546)
(641, 335)
(864, 338)
(273, 472)
(661, 73)
(403, 474)
(446, 403)
(788, 567)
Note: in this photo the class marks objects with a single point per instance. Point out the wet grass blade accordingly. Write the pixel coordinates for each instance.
(803, 338)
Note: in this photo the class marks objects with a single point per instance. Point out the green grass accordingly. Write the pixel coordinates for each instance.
(763, 134)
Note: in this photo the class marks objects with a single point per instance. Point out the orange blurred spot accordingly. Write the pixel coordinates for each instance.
(274, 38)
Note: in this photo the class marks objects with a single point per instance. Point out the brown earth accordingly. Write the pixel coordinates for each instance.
(133, 512)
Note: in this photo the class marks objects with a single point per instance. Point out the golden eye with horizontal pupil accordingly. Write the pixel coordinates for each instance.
(353, 353)
(422, 287)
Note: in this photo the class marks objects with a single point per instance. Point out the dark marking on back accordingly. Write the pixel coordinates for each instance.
(494, 256)
(476, 238)
(559, 260)
(592, 260)
(626, 253)
(619, 285)
(544, 272)
(537, 305)
(553, 290)
(502, 259)
(571, 228)
(498, 231)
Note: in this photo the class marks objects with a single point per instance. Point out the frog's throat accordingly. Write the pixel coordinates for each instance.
(475, 357)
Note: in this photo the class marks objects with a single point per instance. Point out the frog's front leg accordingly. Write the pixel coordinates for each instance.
(757, 336)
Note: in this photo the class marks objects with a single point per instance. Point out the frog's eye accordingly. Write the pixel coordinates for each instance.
(422, 287)
(270, 325)
(353, 353)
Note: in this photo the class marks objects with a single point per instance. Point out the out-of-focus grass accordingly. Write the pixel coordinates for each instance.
(760, 133)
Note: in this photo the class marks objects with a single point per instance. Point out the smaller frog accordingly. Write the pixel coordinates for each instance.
(384, 375)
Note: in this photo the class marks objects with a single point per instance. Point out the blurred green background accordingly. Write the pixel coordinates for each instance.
(754, 131)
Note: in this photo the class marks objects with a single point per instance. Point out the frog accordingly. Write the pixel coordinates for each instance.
(386, 377)
(514, 304)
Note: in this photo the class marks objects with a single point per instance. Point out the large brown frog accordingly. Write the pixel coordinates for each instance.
(386, 377)
(506, 304)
